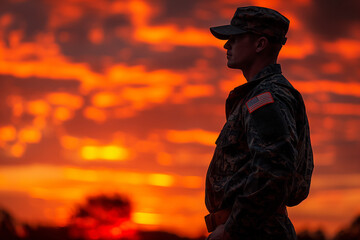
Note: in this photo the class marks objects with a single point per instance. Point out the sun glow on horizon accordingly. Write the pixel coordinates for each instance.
(111, 153)
(146, 218)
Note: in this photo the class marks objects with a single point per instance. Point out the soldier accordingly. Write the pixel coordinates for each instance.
(263, 158)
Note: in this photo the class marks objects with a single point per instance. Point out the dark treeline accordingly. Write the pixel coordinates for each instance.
(352, 232)
(10, 231)
(100, 215)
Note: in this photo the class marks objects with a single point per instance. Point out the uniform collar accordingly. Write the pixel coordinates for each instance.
(264, 73)
(237, 93)
(267, 71)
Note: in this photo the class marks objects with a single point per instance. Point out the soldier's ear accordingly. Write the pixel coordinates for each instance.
(261, 44)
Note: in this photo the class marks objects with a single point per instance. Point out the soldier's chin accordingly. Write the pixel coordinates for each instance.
(231, 65)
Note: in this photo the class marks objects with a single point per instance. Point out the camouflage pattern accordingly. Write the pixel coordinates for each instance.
(260, 20)
(262, 161)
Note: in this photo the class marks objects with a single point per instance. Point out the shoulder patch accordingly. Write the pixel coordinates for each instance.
(259, 101)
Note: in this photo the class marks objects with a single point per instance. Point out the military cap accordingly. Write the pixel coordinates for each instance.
(259, 20)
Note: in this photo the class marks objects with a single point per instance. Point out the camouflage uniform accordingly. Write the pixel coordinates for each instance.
(263, 159)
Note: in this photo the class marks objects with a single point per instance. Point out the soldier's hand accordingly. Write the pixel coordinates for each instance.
(217, 234)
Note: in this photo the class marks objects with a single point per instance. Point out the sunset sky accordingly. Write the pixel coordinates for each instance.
(127, 96)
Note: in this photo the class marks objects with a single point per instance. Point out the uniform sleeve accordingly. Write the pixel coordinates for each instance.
(271, 138)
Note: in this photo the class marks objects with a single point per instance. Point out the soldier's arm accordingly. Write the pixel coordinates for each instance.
(271, 137)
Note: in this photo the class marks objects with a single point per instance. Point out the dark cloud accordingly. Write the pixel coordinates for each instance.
(335, 141)
(194, 114)
(187, 13)
(5, 111)
(314, 67)
(29, 16)
(112, 22)
(176, 12)
(79, 126)
(179, 57)
(331, 19)
(337, 98)
(347, 160)
(178, 9)
(48, 150)
(161, 117)
(78, 43)
(117, 51)
(29, 89)
(113, 49)
(33, 87)
(78, 31)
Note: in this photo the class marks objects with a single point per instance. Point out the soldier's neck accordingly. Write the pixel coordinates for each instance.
(250, 72)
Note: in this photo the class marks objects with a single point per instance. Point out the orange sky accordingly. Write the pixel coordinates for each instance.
(128, 97)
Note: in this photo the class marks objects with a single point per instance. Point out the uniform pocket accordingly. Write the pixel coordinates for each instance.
(228, 136)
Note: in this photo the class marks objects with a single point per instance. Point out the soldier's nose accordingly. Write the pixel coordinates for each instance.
(227, 45)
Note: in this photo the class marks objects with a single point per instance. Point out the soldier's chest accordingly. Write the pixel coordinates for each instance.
(232, 150)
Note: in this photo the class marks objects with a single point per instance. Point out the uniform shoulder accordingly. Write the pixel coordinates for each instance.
(278, 85)
(281, 92)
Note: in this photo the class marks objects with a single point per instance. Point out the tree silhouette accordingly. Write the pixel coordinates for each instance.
(7, 226)
(306, 235)
(350, 233)
(103, 217)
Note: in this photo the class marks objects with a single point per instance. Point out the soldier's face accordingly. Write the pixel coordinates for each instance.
(240, 51)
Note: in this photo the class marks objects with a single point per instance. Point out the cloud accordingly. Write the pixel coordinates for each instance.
(331, 20)
(171, 35)
(192, 136)
(346, 48)
(32, 87)
(318, 86)
(295, 49)
(31, 17)
(46, 62)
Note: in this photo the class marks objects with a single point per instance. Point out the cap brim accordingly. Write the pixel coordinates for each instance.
(224, 32)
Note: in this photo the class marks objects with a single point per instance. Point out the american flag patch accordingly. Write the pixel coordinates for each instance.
(259, 101)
